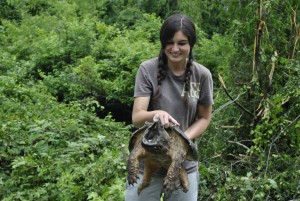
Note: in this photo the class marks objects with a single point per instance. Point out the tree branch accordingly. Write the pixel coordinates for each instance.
(227, 93)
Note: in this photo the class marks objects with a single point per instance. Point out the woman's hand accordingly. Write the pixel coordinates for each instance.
(140, 114)
(164, 118)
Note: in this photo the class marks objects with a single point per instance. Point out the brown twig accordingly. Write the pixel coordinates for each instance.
(124, 153)
(238, 143)
(295, 35)
(227, 93)
(231, 126)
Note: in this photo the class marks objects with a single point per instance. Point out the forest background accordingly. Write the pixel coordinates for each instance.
(67, 71)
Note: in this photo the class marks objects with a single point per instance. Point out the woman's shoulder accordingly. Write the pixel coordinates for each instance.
(150, 66)
(150, 63)
(200, 69)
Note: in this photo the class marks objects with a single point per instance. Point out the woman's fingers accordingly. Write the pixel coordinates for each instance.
(174, 121)
(165, 118)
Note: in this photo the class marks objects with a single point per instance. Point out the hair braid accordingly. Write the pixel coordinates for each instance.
(162, 72)
(187, 79)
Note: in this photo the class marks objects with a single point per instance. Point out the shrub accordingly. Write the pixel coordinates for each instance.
(55, 151)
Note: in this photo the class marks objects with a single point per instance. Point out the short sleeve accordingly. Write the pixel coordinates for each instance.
(206, 90)
(143, 85)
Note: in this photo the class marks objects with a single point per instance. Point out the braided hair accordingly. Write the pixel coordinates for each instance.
(173, 24)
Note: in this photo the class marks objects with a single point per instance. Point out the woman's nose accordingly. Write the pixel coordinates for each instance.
(175, 47)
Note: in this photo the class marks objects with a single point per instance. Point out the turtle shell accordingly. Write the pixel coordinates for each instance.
(155, 138)
(136, 135)
(193, 150)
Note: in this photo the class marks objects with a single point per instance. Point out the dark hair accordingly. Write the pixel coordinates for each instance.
(174, 23)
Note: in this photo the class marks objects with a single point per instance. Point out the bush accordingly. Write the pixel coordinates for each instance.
(55, 151)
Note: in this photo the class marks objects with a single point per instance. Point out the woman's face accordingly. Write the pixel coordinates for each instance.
(178, 49)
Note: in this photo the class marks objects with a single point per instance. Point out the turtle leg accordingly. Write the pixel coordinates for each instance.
(174, 170)
(172, 176)
(133, 164)
(149, 169)
(184, 181)
(177, 153)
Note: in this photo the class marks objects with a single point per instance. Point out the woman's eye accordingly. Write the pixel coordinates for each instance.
(180, 43)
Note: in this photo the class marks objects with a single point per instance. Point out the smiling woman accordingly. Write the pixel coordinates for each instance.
(175, 90)
(177, 51)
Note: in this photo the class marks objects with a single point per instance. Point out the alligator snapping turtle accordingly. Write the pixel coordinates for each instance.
(160, 148)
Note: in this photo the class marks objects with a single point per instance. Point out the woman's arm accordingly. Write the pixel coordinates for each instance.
(140, 113)
(202, 122)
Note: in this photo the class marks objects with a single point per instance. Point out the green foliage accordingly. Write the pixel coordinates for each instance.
(216, 54)
(122, 68)
(8, 12)
(258, 161)
(48, 43)
(56, 151)
(206, 13)
(280, 121)
(54, 48)
(64, 64)
(153, 6)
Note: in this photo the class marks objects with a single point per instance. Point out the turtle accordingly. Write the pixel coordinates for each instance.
(160, 147)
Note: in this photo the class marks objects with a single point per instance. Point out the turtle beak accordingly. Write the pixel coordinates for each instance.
(155, 138)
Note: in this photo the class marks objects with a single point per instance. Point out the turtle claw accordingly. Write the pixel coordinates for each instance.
(169, 186)
(132, 179)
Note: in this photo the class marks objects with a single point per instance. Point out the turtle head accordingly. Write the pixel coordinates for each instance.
(155, 138)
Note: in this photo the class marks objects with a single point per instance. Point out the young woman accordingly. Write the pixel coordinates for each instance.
(173, 88)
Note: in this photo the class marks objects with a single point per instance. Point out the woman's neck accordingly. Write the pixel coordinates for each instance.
(177, 68)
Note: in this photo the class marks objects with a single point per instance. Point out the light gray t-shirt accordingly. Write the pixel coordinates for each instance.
(171, 99)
